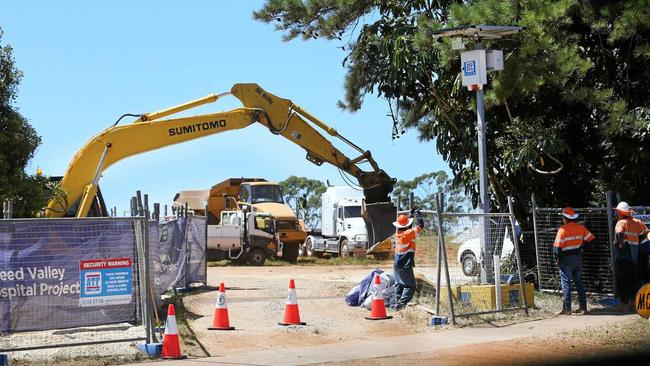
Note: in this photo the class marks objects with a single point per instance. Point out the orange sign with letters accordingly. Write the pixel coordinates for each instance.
(642, 301)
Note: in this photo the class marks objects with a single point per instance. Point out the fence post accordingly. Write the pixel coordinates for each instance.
(515, 241)
(205, 250)
(441, 234)
(439, 258)
(150, 304)
(610, 236)
(140, 207)
(539, 272)
(146, 205)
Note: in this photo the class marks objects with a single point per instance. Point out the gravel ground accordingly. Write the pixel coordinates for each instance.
(87, 334)
(256, 298)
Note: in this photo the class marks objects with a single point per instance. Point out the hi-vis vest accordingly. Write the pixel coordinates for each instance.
(570, 237)
(405, 241)
(632, 229)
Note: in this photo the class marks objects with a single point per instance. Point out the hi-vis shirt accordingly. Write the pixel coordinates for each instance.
(569, 239)
(632, 229)
(405, 247)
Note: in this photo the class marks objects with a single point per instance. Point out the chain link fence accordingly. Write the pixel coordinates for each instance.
(71, 282)
(463, 269)
(596, 257)
(598, 263)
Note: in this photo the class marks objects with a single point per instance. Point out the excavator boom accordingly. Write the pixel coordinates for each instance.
(281, 116)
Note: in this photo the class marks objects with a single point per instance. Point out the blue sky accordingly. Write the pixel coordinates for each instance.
(86, 63)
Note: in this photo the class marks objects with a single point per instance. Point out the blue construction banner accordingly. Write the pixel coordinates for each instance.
(65, 273)
(178, 254)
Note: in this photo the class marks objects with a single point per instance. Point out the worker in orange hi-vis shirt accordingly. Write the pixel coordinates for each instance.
(628, 231)
(567, 251)
(405, 256)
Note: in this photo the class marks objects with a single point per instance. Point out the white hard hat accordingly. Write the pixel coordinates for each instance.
(624, 208)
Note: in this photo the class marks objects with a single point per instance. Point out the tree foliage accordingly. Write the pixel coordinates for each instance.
(18, 142)
(304, 195)
(572, 95)
(425, 187)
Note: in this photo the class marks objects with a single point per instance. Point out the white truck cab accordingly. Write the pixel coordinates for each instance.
(343, 230)
(242, 235)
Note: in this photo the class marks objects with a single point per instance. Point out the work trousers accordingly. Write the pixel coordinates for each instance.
(571, 269)
(627, 280)
(404, 285)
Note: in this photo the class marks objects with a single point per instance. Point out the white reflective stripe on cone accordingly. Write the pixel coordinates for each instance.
(221, 301)
(378, 294)
(291, 298)
(170, 325)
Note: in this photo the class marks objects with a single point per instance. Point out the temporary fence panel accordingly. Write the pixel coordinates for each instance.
(597, 266)
(178, 253)
(67, 273)
(464, 258)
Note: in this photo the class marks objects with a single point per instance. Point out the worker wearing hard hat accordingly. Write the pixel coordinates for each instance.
(567, 251)
(627, 233)
(405, 256)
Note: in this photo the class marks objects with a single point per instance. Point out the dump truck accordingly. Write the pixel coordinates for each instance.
(282, 117)
(260, 196)
(343, 231)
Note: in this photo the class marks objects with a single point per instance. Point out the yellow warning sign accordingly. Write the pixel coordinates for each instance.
(642, 301)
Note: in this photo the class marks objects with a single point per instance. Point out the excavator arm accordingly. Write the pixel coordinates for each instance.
(280, 116)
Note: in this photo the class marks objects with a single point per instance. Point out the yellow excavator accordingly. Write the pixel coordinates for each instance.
(281, 116)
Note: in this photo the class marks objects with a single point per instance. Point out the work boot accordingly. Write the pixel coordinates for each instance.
(580, 312)
(564, 312)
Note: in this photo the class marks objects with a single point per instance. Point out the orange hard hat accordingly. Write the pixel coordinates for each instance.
(403, 221)
(569, 213)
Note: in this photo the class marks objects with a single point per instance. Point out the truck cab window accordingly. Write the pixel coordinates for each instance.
(244, 194)
(266, 193)
(352, 211)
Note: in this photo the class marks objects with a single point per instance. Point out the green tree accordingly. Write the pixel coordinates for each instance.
(567, 119)
(425, 187)
(18, 142)
(304, 195)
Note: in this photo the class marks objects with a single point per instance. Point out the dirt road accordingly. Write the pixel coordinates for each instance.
(337, 333)
(256, 298)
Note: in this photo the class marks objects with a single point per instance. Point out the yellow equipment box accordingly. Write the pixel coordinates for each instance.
(482, 297)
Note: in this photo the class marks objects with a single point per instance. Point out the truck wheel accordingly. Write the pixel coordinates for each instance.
(345, 250)
(469, 264)
(256, 257)
(290, 253)
(309, 249)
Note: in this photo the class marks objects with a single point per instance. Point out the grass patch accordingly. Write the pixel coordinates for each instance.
(627, 337)
(306, 261)
(190, 343)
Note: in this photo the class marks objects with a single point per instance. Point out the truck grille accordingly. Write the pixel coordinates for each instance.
(287, 224)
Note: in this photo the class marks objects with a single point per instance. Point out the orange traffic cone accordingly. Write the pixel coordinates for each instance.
(220, 321)
(378, 311)
(171, 347)
(291, 312)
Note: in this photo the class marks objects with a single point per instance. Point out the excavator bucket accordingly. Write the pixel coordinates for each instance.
(379, 219)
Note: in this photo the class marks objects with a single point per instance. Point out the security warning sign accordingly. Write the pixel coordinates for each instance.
(105, 281)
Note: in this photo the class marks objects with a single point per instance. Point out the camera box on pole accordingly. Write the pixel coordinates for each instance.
(473, 65)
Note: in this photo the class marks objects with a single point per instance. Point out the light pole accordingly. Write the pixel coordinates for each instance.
(474, 66)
